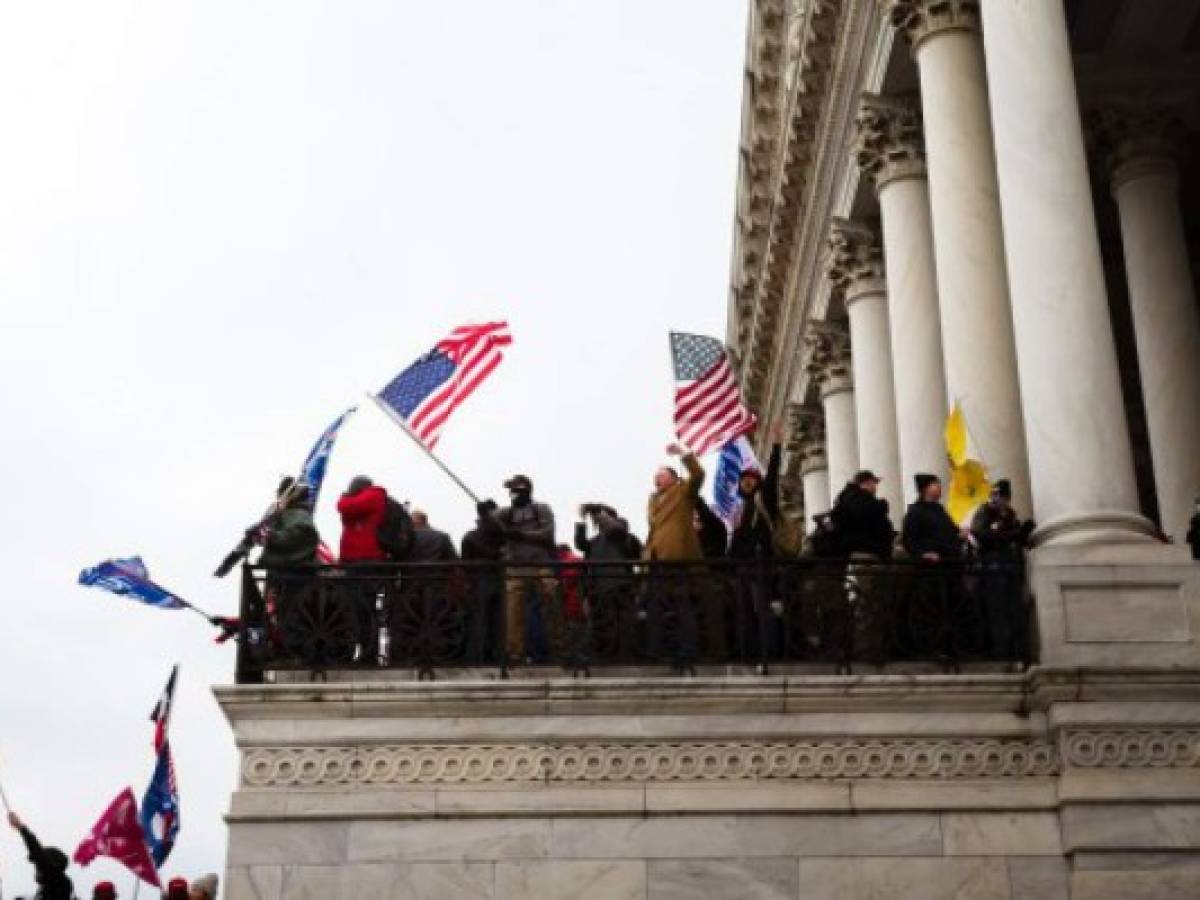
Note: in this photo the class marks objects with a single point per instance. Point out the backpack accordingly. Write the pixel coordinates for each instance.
(395, 532)
(787, 538)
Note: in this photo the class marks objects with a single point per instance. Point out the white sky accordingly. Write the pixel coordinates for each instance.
(221, 221)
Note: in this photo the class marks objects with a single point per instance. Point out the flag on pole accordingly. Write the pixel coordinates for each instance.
(160, 808)
(427, 392)
(312, 472)
(969, 485)
(708, 406)
(161, 714)
(118, 835)
(736, 457)
(130, 578)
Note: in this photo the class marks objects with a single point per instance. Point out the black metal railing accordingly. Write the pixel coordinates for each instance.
(584, 615)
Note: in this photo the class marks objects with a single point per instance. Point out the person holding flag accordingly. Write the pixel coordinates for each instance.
(49, 864)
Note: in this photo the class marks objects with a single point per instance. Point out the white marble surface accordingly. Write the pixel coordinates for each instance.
(978, 878)
(1080, 458)
(606, 879)
(815, 483)
(841, 434)
(729, 879)
(977, 326)
(916, 329)
(875, 394)
(1166, 324)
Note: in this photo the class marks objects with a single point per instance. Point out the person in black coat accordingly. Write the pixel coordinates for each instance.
(612, 542)
(1193, 535)
(484, 546)
(429, 544)
(929, 534)
(860, 518)
(49, 864)
(1000, 537)
(753, 536)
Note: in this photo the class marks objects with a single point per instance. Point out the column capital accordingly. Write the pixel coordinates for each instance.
(829, 357)
(918, 20)
(855, 261)
(1134, 138)
(806, 437)
(889, 141)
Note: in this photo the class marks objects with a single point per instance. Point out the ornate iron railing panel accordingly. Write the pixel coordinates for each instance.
(584, 615)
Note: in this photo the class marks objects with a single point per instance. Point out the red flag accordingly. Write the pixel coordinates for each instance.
(117, 834)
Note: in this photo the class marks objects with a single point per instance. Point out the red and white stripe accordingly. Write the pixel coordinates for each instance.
(709, 412)
(476, 350)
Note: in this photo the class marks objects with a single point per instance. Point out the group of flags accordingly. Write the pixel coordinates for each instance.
(141, 840)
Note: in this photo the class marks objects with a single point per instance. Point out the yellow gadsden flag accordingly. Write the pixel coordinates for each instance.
(969, 485)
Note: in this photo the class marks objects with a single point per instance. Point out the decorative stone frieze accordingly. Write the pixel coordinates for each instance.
(919, 19)
(1131, 749)
(807, 437)
(889, 138)
(855, 262)
(419, 764)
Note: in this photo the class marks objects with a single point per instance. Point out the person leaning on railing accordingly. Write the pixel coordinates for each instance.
(999, 538)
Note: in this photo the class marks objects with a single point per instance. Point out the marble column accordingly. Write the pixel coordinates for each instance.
(890, 149)
(1080, 458)
(855, 271)
(1140, 145)
(829, 365)
(808, 437)
(972, 287)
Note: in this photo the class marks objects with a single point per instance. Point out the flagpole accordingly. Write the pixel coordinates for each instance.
(391, 414)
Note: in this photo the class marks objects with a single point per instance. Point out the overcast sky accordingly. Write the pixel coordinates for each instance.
(222, 221)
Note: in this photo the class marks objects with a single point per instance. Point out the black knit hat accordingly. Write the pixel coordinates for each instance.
(1003, 488)
(924, 480)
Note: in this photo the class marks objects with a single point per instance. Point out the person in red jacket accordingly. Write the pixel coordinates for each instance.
(362, 509)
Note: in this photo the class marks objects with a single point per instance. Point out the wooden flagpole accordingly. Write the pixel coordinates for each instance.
(403, 426)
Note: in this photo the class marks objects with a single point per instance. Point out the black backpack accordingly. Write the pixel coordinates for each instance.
(395, 532)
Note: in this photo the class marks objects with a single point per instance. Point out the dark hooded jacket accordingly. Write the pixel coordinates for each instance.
(861, 524)
(753, 538)
(50, 866)
(928, 528)
(998, 532)
(612, 542)
(713, 536)
(292, 540)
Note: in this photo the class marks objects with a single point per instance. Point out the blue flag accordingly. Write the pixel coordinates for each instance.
(736, 457)
(160, 808)
(312, 472)
(129, 578)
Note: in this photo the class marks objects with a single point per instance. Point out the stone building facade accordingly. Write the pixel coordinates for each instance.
(985, 201)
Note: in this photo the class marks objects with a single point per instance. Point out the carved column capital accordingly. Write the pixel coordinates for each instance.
(855, 262)
(889, 141)
(1135, 138)
(807, 438)
(828, 346)
(918, 20)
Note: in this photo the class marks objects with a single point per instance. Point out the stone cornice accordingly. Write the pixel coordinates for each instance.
(854, 265)
(890, 139)
(919, 20)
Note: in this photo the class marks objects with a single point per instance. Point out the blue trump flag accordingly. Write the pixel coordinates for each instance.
(736, 457)
(160, 808)
(312, 472)
(129, 578)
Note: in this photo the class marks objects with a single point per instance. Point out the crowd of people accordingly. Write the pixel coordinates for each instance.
(681, 529)
(50, 865)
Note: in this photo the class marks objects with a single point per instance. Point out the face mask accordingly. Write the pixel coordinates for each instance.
(520, 498)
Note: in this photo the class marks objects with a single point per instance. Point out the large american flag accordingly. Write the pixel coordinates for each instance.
(708, 406)
(427, 392)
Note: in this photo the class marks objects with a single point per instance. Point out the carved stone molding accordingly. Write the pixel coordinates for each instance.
(828, 362)
(1134, 138)
(855, 262)
(1131, 749)
(919, 20)
(421, 764)
(808, 437)
(889, 139)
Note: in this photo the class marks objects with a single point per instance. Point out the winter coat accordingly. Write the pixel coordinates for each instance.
(753, 537)
(482, 544)
(53, 883)
(861, 524)
(613, 542)
(928, 528)
(527, 532)
(431, 545)
(714, 536)
(997, 532)
(291, 541)
(672, 536)
(362, 514)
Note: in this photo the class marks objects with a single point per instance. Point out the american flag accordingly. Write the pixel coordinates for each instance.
(708, 406)
(427, 392)
(161, 714)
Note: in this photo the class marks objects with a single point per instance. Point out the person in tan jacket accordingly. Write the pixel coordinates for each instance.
(672, 536)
